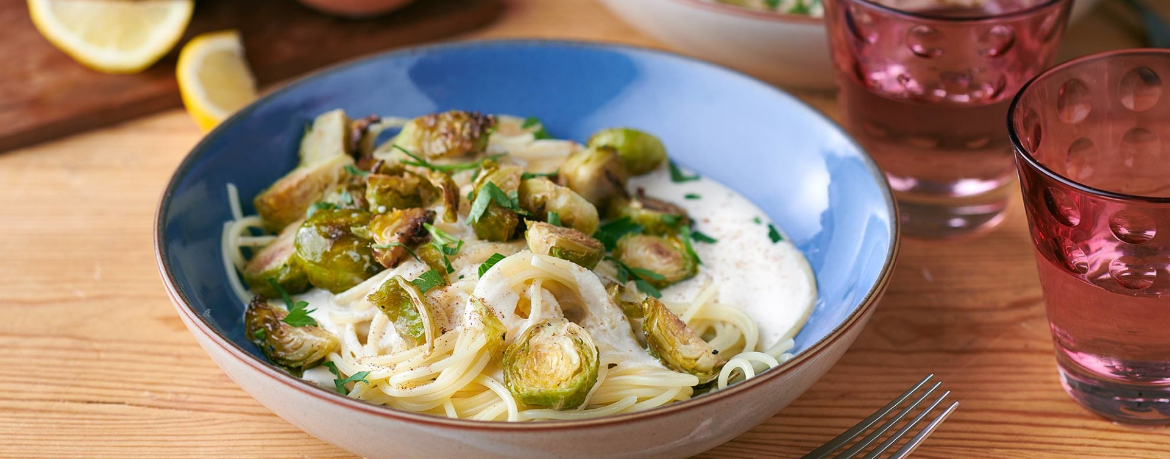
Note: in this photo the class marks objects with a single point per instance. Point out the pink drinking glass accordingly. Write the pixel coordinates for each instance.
(1092, 140)
(925, 87)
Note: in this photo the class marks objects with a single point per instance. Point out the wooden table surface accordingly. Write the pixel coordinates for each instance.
(96, 363)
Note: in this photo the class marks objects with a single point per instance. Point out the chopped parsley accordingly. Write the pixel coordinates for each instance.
(693, 196)
(260, 334)
(320, 206)
(339, 382)
(355, 171)
(686, 237)
(772, 4)
(529, 175)
(677, 175)
(554, 218)
(757, 220)
(449, 168)
(446, 244)
(610, 232)
(487, 264)
(639, 276)
(540, 134)
(703, 237)
(671, 220)
(773, 234)
(428, 280)
(489, 193)
(298, 312)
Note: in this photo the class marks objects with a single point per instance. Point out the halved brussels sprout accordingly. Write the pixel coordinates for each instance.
(286, 200)
(294, 348)
(446, 190)
(564, 243)
(676, 345)
(640, 152)
(333, 251)
(497, 223)
(666, 256)
(631, 309)
(363, 133)
(386, 192)
(654, 215)
(539, 196)
(450, 134)
(326, 139)
(488, 326)
(597, 174)
(408, 310)
(396, 231)
(552, 365)
(277, 261)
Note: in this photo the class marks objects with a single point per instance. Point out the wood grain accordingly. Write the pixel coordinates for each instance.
(96, 363)
(46, 94)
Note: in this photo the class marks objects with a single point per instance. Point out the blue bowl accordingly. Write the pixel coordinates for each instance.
(795, 164)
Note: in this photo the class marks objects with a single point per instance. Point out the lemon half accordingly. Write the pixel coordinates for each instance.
(112, 36)
(214, 79)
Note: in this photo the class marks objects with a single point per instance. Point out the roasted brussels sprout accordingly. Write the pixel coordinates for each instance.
(676, 345)
(450, 134)
(386, 192)
(539, 196)
(654, 215)
(640, 152)
(408, 310)
(286, 200)
(328, 138)
(666, 256)
(363, 133)
(396, 231)
(564, 243)
(552, 365)
(597, 174)
(631, 309)
(333, 251)
(277, 261)
(488, 325)
(444, 188)
(496, 222)
(294, 348)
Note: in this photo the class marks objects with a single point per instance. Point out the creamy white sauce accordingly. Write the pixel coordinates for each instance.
(772, 282)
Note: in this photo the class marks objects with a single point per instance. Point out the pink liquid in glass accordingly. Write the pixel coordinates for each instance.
(926, 94)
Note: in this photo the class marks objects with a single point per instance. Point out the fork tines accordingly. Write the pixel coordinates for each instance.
(852, 451)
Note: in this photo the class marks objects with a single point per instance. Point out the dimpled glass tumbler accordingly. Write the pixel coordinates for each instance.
(1092, 141)
(924, 87)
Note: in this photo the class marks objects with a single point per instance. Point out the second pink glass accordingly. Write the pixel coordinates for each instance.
(925, 89)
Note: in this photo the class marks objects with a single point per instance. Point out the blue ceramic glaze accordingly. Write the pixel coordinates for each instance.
(796, 165)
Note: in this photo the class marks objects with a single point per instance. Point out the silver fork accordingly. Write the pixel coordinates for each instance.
(837, 443)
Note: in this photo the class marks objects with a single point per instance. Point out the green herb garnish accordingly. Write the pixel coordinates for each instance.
(487, 264)
(428, 280)
(489, 193)
(339, 383)
(639, 276)
(773, 234)
(447, 245)
(260, 334)
(539, 134)
(529, 175)
(554, 218)
(677, 175)
(703, 237)
(757, 220)
(693, 196)
(772, 4)
(391, 245)
(449, 168)
(686, 237)
(355, 171)
(610, 232)
(298, 312)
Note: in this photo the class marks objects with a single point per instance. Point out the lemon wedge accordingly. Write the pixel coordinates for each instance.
(112, 36)
(214, 79)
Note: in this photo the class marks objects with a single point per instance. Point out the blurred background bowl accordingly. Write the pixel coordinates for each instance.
(790, 50)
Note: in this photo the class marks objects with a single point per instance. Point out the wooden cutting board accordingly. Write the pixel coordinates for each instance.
(44, 94)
